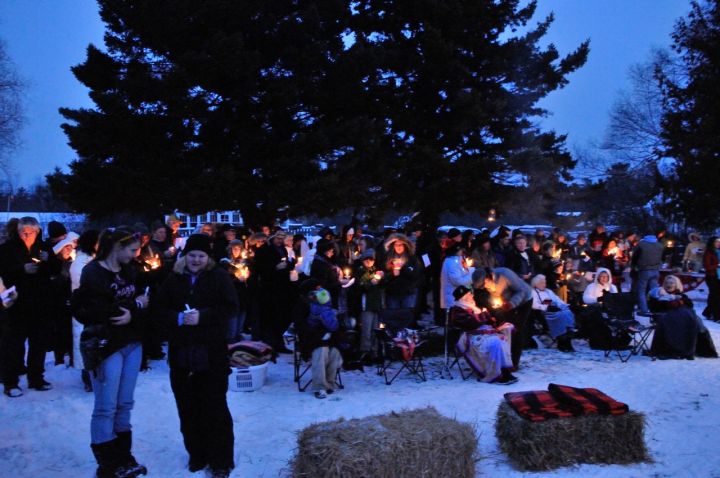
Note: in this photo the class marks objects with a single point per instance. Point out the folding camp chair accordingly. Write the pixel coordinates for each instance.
(628, 336)
(301, 367)
(392, 351)
(452, 335)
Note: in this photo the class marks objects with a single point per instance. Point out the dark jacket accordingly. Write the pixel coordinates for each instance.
(518, 264)
(407, 281)
(272, 280)
(648, 254)
(364, 286)
(202, 346)
(100, 296)
(33, 298)
(326, 273)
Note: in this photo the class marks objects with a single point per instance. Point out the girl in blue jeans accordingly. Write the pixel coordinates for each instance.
(109, 306)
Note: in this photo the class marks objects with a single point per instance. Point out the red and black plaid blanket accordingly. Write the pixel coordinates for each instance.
(561, 401)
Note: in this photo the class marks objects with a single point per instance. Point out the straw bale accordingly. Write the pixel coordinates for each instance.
(408, 444)
(538, 446)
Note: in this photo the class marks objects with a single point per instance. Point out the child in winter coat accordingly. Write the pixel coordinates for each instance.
(369, 278)
(315, 329)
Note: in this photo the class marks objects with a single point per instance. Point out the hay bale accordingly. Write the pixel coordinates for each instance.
(539, 446)
(408, 444)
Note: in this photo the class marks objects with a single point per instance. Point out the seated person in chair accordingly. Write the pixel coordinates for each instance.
(485, 347)
(559, 317)
(680, 333)
(316, 321)
(601, 285)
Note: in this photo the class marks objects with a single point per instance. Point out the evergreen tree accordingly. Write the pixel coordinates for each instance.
(313, 107)
(692, 119)
(457, 87)
(206, 105)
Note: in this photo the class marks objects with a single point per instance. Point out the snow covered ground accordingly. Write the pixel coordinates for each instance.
(47, 434)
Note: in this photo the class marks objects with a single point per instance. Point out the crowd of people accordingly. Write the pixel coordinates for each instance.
(106, 301)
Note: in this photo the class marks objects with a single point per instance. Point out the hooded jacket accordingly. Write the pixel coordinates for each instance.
(596, 290)
(407, 281)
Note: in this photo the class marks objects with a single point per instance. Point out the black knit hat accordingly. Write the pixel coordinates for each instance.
(460, 292)
(198, 242)
(56, 229)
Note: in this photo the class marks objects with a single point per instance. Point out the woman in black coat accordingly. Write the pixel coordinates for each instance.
(196, 302)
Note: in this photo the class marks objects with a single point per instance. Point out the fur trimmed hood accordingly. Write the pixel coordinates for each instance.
(409, 246)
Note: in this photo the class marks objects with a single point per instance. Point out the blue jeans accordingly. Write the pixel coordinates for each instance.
(646, 279)
(401, 301)
(235, 327)
(114, 385)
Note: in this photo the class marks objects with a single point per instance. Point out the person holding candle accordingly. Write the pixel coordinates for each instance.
(154, 263)
(26, 264)
(486, 348)
(455, 273)
(59, 292)
(511, 300)
(325, 270)
(276, 292)
(110, 306)
(370, 297)
(196, 302)
(601, 285)
(237, 266)
(402, 272)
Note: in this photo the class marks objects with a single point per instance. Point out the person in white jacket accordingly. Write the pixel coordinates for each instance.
(560, 319)
(86, 247)
(601, 284)
(456, 271)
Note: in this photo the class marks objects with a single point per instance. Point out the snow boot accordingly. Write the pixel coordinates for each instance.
(129, 467)
(220, 472)
(196, 463)
(106, 457)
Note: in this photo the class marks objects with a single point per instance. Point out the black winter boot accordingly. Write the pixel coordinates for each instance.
(129, 467)
(106, 457)
(564, 343)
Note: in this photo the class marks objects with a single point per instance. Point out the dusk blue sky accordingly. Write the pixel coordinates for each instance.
(46, 37)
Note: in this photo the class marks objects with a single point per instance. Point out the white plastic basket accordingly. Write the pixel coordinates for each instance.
(248, 379)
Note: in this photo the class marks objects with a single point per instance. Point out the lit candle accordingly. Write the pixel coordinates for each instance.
(347, 272)
(377, 275)
(469, 262)
(613, 251)
(670, 243)
(299, 261)
(381, 326)
(153, 262)
(497, 303)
